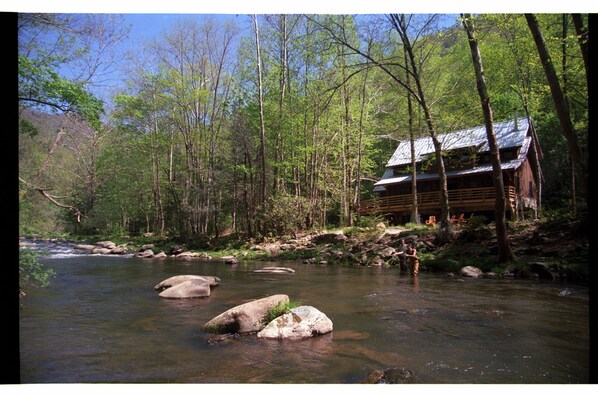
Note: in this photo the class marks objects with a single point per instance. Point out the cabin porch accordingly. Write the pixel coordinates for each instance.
(466, 200)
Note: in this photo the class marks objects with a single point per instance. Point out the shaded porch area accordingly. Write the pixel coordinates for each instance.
(460, 200)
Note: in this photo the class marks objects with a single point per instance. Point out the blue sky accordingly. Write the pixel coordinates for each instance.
(147, 26)
(301, 6)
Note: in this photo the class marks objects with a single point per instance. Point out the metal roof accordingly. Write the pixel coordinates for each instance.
(506, 135)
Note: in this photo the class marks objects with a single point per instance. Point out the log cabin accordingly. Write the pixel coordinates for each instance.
(469, 175)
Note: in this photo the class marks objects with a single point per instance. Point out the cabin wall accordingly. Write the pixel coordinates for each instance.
(527, 188)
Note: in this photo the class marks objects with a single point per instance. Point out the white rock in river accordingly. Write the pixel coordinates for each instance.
(301, 322)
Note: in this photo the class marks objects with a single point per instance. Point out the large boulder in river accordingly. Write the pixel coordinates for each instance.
(245, 318)
(177, 279)
(471, 271)
(192, 288)
(301, 322)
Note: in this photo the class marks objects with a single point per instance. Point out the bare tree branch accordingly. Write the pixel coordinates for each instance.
(53, 199)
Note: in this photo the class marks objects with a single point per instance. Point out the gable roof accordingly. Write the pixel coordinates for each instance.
(506, 135)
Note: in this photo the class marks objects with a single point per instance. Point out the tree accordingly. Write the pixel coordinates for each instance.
(560, 103)
(261, 107)
(400, 26)
(505, 253)
(415, 211)
(582, 36)
(511, 30)
(46, 43)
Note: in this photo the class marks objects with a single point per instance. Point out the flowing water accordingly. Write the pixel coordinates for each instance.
(101, 321)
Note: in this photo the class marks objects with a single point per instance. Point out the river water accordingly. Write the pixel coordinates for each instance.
(101, 321)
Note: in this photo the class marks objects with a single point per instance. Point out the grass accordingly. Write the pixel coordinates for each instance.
(280, 309)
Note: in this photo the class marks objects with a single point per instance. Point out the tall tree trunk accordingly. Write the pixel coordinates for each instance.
(560, 104)
(357, 194)
(415, 210)
(345, 137)
(582, 37)
(278, 181)
(565, 89)
(261, 104)
(505, 253)
(160, 217)
(401, 27)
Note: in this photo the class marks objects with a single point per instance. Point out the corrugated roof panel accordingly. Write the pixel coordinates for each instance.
(506, 135)
(514, 164)
(509, 138)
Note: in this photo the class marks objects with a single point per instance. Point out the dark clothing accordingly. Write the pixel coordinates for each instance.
(402, 248)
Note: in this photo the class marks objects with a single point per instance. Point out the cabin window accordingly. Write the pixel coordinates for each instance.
(508, 155)
(484, 158)
(401, 170)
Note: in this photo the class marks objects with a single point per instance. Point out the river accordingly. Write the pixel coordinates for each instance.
(101, 321)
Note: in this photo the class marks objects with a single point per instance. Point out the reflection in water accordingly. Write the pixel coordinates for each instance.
(414, 281)
(102, 321)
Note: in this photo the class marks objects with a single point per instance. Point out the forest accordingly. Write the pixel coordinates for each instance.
(267, 124)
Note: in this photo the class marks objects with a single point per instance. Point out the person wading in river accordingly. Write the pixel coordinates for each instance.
(411, 255)
(402, 248)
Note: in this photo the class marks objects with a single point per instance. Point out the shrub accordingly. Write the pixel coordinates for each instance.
(284, 214)
(370, 220)
(31, 271)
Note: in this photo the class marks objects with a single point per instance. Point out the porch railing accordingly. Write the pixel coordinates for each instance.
(431, 200)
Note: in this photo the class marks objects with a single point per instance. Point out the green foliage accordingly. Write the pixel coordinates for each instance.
(370, 220)
(31, 272)
(279, 310)
(41, 85)
(284, 214)
(31, 205)
(27, 128)
(420, 229)
(475, 229)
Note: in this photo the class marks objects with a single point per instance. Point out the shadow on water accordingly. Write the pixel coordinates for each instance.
(101, 321)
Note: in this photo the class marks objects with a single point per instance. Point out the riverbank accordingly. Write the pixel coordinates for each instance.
(556, 248)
